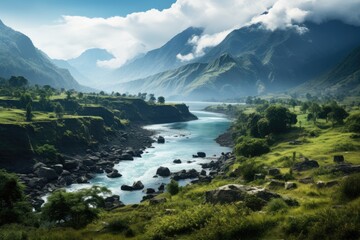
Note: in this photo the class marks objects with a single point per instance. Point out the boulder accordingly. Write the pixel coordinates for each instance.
(126, 157)
(66, 180)
(339, 159)
(306, 180)
(155, 201)
(305, 165)
(114, 174)
(203, 173)
(163, 171)
(126, 188)
(235, 192)
(161, 139)
(58, 168)
(82, 179)
(70, 164)
(38, 165)
(201, 154)
(346, 168)
(149, 191)
(322, 184)
(162, 187)
(275, 184)
(47, 173)
(138, 185)
(192, 173)
(290, 185)
(177, 161)
(274, 171)
(88, 162)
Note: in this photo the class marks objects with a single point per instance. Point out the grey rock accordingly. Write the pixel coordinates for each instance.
(47, 173)
(163, 171)
(339, 159)
(201, 154)
(290, 185)
(305, 165)
(177, 161)
(161, 139)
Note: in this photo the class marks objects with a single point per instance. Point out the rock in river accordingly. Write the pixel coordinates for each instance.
(163, 171)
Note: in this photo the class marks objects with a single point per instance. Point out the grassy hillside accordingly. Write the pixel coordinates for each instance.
(323, 202)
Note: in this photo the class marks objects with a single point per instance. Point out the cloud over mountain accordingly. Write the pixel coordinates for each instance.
(126, 37)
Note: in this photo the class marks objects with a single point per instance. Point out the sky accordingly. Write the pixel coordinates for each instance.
(126, 28)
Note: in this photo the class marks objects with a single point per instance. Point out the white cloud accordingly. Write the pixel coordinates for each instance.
(200, 43)
(126, 37)
(284, 13)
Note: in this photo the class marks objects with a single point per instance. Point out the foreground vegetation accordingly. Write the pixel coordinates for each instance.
(322, 203)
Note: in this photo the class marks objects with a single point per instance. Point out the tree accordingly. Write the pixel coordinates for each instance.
(17, 82)
(173, 187)
(59, 110)
(161, 100)
(14, 207)
(152, 98)
(314, 110)
(252, 147)
(28, 112)
(263, 127)
(280, 118)
(75, 209)
(80, 95)
(25, 99)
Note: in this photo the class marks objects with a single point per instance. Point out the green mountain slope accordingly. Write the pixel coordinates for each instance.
(224, 77)
(19, 57)
(343, 78)
(262, 61)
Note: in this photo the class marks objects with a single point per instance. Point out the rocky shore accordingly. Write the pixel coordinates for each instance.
(81, 166)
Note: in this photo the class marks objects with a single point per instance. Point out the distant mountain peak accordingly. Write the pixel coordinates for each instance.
(95, 54)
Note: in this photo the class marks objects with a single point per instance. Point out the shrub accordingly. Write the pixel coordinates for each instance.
(118, 225)
(249, 169)
(353, 123)
(74, 209)
(173, 187)
(350, 187)
(47, 151)
(254, 203)
(14, 207)
(277, 205)
(252, 147)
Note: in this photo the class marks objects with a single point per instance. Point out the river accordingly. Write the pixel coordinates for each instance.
(182, 140)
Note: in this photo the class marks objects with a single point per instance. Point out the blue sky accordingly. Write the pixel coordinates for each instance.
(30, 12)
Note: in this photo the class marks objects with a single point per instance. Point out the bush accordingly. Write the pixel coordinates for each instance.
(326, 224)
(353, 123)
(254, 203)
(74, 209)
(172, 187)
(47, 151)
(350, 187)
(249, 169)
(252, 147)
(14, 207)
(277, 205)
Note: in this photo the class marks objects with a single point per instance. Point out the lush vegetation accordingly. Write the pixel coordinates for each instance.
(276, 134)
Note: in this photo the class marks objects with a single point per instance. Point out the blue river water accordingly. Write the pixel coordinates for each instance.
(182, 140)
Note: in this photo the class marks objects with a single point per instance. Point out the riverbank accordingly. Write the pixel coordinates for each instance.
(83, 165)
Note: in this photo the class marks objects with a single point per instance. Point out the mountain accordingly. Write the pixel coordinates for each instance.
(158, 60)
(261, 61)
(74, 72)
(86, 64)
(344, 78)
(19, 57)
(292, 57)
(225, 76)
